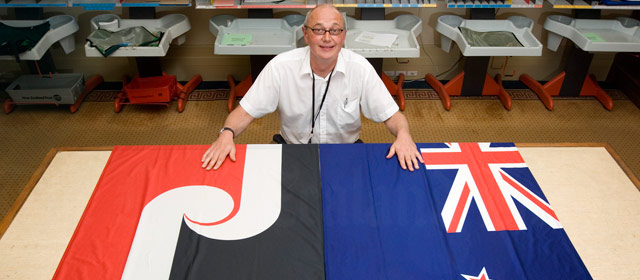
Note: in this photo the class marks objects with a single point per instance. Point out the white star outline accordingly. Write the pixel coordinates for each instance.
(482, 276)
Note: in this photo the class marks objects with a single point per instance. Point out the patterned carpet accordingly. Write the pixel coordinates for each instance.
(410, 94)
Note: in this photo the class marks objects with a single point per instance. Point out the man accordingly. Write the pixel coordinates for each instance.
(319, 91)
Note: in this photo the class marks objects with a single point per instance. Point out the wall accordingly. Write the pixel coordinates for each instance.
(196, 55)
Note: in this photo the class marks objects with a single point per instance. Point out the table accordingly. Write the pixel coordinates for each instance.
(592, 191)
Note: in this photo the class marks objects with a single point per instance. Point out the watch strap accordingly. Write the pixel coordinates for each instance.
(233, 133)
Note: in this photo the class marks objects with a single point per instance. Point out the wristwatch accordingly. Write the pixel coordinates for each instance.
(233, 133)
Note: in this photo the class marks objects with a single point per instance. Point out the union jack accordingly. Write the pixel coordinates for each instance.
(481, 177)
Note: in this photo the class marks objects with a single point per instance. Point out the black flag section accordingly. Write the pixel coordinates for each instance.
(292, 248)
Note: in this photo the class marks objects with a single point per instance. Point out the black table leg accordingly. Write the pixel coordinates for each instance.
(475, 72)
(45, 65)
(577, 67)
(147, 66)
(475, 67)
(258, 62)
(373, 14)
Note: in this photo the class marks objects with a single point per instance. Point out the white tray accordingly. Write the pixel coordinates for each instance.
(62, 29)
(406, 27)
(594, 35)
(174, 26)
(269, 36)
(520, 26)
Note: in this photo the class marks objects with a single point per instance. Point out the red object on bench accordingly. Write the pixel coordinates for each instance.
(159, 90)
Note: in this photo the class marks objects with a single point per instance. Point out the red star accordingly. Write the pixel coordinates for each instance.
(482, 276)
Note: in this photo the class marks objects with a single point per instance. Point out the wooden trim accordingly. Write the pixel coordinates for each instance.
(624, 166)
(35, 178)
(81, 149)
(22, 197)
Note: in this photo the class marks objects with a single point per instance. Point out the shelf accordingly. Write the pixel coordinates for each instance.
(579, 4)
(62, 29)
(449, 28)
(174, 26)
(300, 4)
(405, 27)
(96, 5)
(110, 5)
(594, 35)
(33, 3)
(494, 4)
(142, 3)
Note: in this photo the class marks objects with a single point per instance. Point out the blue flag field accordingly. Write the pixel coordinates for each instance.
(474, 212)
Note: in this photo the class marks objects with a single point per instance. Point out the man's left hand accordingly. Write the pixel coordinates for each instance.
(407, 152)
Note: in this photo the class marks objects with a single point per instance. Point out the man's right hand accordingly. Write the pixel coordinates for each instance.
(219, 150)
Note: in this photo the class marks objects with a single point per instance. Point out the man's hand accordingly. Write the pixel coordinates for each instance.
(219, 150)
(403, 147)
(239, 119)
(407, 152)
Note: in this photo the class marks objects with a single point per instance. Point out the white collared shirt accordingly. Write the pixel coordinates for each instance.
(285, 84)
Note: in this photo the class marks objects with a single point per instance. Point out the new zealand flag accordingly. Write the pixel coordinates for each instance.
(474, 211)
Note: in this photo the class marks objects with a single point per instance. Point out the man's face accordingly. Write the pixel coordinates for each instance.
(324, 46)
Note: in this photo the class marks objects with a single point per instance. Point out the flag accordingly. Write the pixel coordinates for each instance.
(156, 214)
(334, 211)
(473, 211)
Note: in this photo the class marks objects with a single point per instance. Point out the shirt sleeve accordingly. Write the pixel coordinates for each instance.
(376, 101)
(263, 95)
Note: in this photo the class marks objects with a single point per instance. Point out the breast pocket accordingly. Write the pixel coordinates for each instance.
(350, 115)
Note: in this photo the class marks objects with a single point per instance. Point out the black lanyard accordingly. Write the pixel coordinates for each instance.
(314, 115)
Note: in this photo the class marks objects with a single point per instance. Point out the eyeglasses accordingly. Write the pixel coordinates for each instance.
(321, 31)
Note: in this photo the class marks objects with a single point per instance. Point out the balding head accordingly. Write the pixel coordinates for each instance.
(323, 9)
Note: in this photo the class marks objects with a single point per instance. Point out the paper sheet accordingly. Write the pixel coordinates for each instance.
(594, 37)
(378, 39)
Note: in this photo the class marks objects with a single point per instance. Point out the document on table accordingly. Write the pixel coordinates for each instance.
(378, 39)
(237, 39)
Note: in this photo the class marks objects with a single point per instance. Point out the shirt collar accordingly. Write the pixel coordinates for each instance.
(305, 68)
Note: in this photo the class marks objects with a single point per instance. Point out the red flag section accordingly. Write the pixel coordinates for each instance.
(133, 176)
